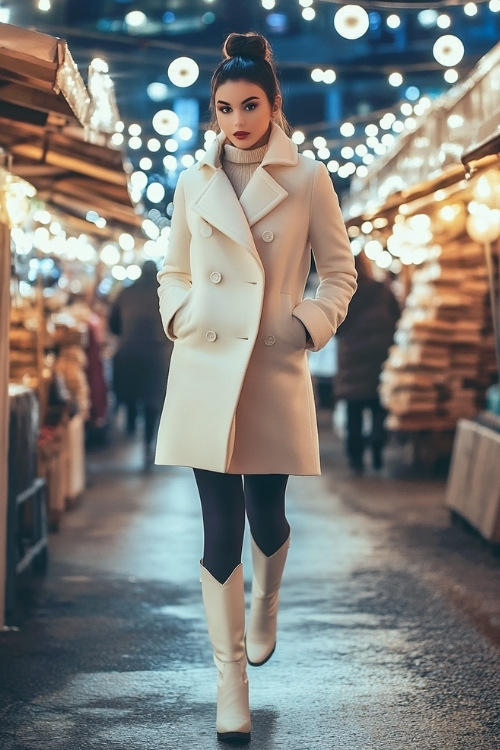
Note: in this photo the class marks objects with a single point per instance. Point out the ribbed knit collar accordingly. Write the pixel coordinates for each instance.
(241, 156)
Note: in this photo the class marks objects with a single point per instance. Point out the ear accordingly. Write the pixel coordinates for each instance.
(277, 105)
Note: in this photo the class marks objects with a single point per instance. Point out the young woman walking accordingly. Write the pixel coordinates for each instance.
(239, 407)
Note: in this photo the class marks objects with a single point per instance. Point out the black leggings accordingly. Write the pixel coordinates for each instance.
(224, 500)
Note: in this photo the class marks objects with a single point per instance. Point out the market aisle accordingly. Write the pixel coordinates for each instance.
(386, 640)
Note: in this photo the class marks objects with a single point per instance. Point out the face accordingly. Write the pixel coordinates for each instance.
(244, 113)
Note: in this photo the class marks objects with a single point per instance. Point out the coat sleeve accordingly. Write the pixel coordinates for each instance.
(334, 263)
(175, 276)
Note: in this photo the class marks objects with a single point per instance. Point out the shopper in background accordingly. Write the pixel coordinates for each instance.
(363, 341)
(141, 361)
(239, 407)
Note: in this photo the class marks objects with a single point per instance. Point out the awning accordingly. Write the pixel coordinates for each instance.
(487, 147)
(70, 173)
(38, 76)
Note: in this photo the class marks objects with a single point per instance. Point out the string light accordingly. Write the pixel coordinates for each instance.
(135, 18)
(395, 79)
(351, 21)
(393, 21)
(470, 9)
(448, 50)
(183, 72)
(443, 21)
(308, 14)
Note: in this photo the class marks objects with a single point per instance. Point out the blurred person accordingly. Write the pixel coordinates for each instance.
(141, 361)
(363, 342)
(239, 407)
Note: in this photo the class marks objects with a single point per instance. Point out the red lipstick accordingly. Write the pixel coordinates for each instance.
(240, 134)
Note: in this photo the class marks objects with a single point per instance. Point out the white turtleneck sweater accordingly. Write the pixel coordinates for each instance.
(239, 165)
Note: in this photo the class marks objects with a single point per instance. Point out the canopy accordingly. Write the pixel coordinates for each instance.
(38, 76)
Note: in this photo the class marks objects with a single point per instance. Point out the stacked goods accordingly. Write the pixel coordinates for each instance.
(442, 360)
(28, 339)
(23, 355)
(71, 363)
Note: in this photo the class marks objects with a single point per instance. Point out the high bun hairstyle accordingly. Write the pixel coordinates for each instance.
(248, 57)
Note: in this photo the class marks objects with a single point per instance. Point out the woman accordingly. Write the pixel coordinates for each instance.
(363, 345)
(239, 407)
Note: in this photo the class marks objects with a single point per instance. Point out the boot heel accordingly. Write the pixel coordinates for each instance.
(236, 738)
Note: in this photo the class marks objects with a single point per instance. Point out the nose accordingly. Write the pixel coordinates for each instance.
(239, 119)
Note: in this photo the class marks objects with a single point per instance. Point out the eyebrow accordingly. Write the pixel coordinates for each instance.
(245, 101)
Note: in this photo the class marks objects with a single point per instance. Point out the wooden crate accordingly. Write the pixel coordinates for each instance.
(473, 488)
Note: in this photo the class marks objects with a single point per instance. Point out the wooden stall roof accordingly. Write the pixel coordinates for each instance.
(44, 123)
(68, 172)
(39, 76)
(432, 155)
(473, 156)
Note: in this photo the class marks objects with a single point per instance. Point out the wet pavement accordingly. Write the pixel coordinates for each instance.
(389, 629)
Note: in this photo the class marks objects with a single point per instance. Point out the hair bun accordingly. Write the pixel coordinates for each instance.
(247, 45)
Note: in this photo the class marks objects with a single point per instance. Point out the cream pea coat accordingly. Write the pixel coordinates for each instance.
(239, 394)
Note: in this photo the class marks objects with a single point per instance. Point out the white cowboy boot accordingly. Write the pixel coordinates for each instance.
(260, 639)
(225, 613)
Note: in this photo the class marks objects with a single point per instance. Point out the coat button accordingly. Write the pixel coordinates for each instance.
(205, 230)
(210, 336)
(269, 340)
(215, 277)
(267, 236)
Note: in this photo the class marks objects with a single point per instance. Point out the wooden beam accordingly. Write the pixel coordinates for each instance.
(4, 404)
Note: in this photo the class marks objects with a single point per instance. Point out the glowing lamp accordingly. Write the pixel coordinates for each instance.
(351, 21)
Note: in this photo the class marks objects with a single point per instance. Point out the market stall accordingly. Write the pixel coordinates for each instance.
(54, 142)
(473, 491)
(431, 215)
(35, 85)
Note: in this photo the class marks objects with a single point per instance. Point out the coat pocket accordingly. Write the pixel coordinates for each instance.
(294, 332)
(180, 324)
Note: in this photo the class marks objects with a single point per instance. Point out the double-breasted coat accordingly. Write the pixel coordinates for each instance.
(239, 395)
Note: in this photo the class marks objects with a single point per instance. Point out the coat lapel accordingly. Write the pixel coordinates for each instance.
(217, 202)
(263, 193)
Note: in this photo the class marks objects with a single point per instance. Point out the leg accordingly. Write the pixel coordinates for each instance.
(151, 419)
(265, 507)
(355, 441)
(131, 407)
(223, 510)
(379, 434)
(265, 504)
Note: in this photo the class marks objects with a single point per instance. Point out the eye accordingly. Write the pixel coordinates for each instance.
(224, 110)
(251, 106)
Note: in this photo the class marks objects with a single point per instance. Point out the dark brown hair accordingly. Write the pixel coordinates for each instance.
(248, 57)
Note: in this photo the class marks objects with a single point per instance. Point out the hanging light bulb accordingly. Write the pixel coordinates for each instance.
(395, 79)
(351, 21)
(487, 189)
(448, 50)
(15, 194)
(157, 91)
(484, 226)
(165, 122)
(135, 18)
(470, 9)
(183, 71)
